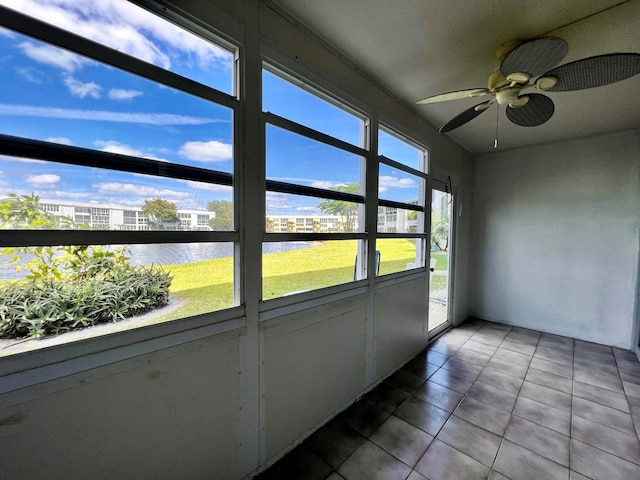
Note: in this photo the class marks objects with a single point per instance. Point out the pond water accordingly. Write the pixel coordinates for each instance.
(169, 254)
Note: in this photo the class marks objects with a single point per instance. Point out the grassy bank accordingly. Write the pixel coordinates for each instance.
(208, 286)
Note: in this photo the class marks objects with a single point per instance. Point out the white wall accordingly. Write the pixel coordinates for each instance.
(555, 237)
(224, 405)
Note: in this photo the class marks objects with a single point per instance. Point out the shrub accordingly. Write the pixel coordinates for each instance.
(73, 287)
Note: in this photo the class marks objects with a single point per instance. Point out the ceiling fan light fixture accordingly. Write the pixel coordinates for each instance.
(518, 77)
(483, 106)
(545, 83)
(519, 102)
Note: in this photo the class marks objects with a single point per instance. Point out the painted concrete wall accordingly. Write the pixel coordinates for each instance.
(226, 405)
(166, 415)
(555, 237)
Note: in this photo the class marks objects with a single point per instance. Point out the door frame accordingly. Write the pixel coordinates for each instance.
(443, 186)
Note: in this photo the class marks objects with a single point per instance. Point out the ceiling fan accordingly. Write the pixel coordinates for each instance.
(528, 66)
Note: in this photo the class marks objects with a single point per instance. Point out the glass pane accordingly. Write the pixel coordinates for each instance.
(37, 194)
(295, 267)
(298, 213)
(398, 255)
(439, 261)
(398, 220)
(68, 293)
(130, 29)
(291, 102)
(299, 160)
(399, 150)
(79, 102)
(397, 185)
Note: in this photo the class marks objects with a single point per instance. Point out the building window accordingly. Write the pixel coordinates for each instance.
(401, 235)
(315, 168)
(126, 136)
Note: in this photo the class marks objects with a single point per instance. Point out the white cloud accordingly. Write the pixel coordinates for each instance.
(387, 181)
(7, 158)
(124, 27)
(30, 74)
(113, 146)
(324, 184)
(212, 151)
(60, 140)
(208, 187)
(53, 56)
(42, 180)
(82, 89)
(121, 189)
(309, 210)
(5, 32)
(121, 94)
(106, 116)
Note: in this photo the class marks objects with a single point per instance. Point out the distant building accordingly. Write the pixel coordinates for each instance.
(117, 218)
(304, 224)
(396, 220)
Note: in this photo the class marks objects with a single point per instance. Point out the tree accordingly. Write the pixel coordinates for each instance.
(440, 231)
(224, 215)
(24, 211)
(348, 211)
(161, 213)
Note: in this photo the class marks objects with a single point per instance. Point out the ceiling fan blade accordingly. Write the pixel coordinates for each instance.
(594, 71)
(535, 112)
(466, 116)
(535, 56)
(456, 95)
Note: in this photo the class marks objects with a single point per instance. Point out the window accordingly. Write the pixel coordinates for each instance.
(401, 237)
(315, 167)
(120, 151)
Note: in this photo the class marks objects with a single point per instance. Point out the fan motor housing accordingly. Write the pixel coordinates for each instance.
(508, 96)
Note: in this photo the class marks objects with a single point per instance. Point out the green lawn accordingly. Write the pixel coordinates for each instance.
(441, 259)
(208, 286)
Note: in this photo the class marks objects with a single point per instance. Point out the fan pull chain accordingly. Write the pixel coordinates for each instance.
(495, 140)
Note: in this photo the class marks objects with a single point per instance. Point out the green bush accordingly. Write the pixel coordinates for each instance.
(73, 287)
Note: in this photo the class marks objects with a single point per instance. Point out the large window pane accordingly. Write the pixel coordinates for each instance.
(399, 220)
(398, 185)
(300, 266)
(288, 213)
(130, 29)
(73, 197)
(48, 291)
(399, 254)
(294, 103)
(400, 151)
(75, 101)
(299, 160)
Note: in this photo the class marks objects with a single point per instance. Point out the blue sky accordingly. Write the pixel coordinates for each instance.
(50, 94)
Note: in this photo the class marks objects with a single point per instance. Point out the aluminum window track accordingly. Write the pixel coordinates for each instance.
(278, 121)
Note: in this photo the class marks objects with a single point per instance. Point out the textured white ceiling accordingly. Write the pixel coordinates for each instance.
(418, 48)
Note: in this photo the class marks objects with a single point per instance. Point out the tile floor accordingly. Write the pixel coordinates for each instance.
(487, 401)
